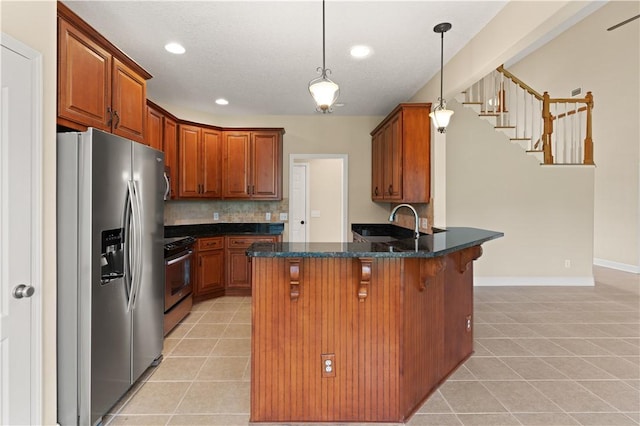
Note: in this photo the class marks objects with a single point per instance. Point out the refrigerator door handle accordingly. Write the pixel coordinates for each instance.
(132, 243)
(167, 191)
(128, 247)
(138, 234)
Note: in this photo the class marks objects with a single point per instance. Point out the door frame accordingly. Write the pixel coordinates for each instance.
(345, 183)
(36, 141)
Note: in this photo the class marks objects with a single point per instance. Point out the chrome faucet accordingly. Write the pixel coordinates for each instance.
(392, 216)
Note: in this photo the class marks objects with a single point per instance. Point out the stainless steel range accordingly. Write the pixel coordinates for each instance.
(179, 268)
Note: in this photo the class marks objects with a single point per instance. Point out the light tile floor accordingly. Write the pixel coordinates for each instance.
(543, 356)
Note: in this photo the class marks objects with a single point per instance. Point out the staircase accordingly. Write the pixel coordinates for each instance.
(555, 130)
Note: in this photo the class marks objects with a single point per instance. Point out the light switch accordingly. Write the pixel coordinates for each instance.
(315, 213)
(283, 216)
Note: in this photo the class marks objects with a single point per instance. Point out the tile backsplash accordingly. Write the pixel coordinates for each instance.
(198, 211)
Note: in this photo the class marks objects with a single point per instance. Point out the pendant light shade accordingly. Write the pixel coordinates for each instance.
(324, 91)
(440, 114)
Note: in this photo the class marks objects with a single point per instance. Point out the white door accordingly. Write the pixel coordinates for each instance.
(20, 168)
(298, 199)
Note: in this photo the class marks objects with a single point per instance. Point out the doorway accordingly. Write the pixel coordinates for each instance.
(20, 233)
(318, 194)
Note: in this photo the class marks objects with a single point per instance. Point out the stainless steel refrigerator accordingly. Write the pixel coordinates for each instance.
(110, 266)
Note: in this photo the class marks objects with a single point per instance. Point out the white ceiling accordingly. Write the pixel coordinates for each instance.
(261, 55)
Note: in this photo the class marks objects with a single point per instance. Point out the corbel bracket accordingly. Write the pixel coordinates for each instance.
(294, 278)
(429, 268)
(466, 256)
(365, 277)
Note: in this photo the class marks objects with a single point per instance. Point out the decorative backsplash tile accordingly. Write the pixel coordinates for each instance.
(197, 211)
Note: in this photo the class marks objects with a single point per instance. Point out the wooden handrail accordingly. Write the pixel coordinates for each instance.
(519, 82)
(564, 114)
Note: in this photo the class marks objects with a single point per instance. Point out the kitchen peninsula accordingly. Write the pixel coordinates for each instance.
(359, 332)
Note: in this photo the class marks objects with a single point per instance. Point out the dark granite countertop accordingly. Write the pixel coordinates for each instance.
(215, 229)
(439, 244)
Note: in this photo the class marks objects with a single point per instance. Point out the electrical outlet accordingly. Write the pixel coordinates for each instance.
(423, 223)
(328, 365)
(216, 216)
(567, 263)
(284, 216)
(267, 216)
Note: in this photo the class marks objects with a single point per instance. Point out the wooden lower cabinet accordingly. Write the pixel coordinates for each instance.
(222, 266)
(238, 265)
(209, 280)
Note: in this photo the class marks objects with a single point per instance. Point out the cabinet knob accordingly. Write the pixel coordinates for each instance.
(376, 191)
(115, 126)
(390, 189)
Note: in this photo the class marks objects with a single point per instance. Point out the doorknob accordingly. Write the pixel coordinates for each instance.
(23, 290)
(302, 222)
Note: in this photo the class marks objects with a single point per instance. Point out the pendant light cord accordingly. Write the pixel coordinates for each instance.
(323, 61)
(441, 63)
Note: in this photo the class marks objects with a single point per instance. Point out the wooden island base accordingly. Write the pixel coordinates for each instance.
(391, 329)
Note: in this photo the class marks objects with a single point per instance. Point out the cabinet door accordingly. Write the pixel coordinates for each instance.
(377, 166)
(84, 79)
(266, 171)
(128, 102)
(153, 134)
(238, 264)
(170, 144)
(393, 159)
(210, 272)
(211, 157)
(239, 269)
(235, 182)
(189, 155)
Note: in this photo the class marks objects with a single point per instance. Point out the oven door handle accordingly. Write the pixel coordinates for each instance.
(179, 259)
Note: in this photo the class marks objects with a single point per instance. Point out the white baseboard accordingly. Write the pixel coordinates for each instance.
(617, 265)
(533, 281)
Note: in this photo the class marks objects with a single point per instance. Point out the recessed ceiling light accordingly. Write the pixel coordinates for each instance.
(222, 101)
(174, 48)
(360, 51)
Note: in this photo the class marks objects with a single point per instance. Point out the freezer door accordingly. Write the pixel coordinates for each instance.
(148, 307)
(107, 164)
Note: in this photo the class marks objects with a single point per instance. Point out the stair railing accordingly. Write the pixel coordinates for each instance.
(529, 116)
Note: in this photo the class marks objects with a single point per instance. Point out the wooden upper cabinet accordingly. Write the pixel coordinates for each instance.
(98, 85)
(170, 146)
(266, 166)
(128, 102)
(200, 159)
(252, 165)
(237, 161)
(211, 157)
(155, 127)
(401, 156)
(84, 78)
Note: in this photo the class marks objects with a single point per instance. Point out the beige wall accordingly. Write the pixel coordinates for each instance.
(546, 213)
(317, 134)
(34, 24)
(606, 63)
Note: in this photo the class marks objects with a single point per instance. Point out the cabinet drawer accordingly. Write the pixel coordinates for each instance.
(210, 243)
(245, 242)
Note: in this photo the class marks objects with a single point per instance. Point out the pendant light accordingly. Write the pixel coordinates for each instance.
(324, 91)
(441, 115)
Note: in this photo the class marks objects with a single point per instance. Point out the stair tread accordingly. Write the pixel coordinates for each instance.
(472, 103)
(488, 114)
(520, 139)
(535, 150)
(505, 127)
